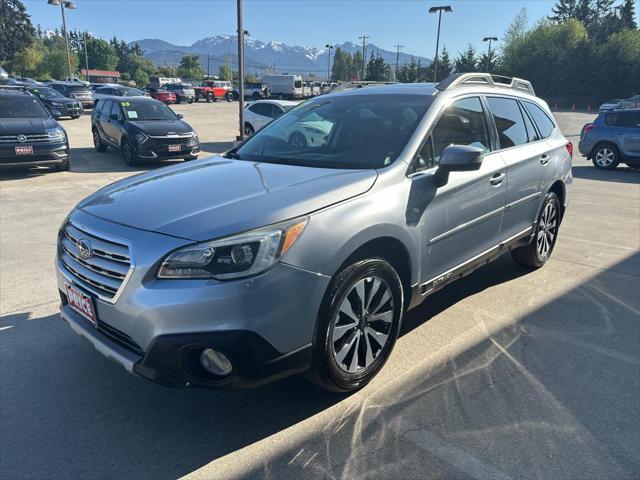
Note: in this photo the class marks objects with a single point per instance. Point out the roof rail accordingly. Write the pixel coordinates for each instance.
(13, 87)
(460, 79)
(359, 84)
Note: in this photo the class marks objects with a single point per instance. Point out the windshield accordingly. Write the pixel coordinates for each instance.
(47, 93)
(347, 131)
(132, 92)
(21, 107)
(147, 111)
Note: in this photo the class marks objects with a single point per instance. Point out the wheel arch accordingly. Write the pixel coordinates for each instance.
(602, 143)
(392, 250)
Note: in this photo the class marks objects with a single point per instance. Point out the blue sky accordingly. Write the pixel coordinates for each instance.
(296, 22)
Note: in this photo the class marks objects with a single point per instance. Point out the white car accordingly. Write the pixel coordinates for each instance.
(310, 132)
(259, 113)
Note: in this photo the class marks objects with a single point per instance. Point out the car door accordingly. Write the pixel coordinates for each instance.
(113, 127)
(462, 219)
(627, 134)
(528, 159)
(101, 115)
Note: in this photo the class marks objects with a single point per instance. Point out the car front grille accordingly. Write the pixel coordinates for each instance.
(30, 138)
(185, 140)
(104, 270)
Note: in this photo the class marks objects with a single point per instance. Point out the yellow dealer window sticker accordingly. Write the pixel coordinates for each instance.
(125, 104)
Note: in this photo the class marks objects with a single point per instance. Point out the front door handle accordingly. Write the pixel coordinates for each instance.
(544, 159)
(497, 178)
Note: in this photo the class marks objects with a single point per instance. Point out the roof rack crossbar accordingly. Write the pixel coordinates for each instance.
(461, 79)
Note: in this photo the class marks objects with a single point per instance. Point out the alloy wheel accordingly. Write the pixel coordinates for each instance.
(605, 157)
(547, 230)
(362, 324)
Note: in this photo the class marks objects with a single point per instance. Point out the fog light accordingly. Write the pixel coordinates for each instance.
(215, 362)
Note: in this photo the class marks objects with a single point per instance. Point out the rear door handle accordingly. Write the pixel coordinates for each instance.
(497, 178)
(544, 159)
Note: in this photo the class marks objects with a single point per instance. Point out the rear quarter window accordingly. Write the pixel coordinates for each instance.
(541, 119)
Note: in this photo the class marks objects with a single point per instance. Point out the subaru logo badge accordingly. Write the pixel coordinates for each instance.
(84, 248)
(22, 138)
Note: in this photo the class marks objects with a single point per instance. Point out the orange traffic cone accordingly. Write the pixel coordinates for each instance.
(555, 106)
(573, 107)
(589, 109)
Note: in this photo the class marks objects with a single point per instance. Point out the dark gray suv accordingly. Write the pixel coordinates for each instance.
(613, 138)
(282, 257)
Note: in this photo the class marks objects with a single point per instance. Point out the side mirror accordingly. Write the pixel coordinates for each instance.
(457, 158)
(179, 115)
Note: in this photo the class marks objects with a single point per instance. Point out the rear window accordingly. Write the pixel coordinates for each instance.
(509, 121)
(542, 120)
(78, 89)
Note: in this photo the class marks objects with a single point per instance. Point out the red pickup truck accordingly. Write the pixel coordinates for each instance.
(214, 90)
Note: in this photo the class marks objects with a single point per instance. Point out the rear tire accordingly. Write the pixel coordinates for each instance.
(178, 99)
(248, 129)
(97, 142)
(357, 326)
(210, 97)
(538, 252)
(229, 97)
(605, 157)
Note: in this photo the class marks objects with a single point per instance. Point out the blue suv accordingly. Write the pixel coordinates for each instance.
(613, 138)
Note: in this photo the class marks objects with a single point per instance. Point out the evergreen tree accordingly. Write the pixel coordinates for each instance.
(564, 10)
(466, 61)
(16, 30)
(410, 73)
(627, 12)
(190, 67)
(377, 69)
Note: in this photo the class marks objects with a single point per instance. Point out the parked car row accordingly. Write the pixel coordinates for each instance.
(140, 128)
(620, 103)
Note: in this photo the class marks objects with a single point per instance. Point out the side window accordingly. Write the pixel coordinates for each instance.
(531, 130)
(541, 119)
(105, 107)
(509, 121)
(462, 123)
(261, 109)
(115, 110)
(623, 119)
(276, 111)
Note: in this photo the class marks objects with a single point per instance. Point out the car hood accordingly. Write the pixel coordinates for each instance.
(217, 197)
(162, 127)
(14, 126)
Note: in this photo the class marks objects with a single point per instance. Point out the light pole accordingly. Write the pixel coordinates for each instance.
(489, 39)
(71, 6)
(208, 66)
(398, 47)
(328, 61)
(86, 57)
(364, 53)
(241, 33)
(438, 10)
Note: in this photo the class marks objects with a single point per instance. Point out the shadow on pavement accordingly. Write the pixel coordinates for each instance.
(555, 395)
(622, 174)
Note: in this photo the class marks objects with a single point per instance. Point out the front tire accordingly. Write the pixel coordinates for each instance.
(606, 157)
(229, 97)
(248, 129)
(64, 166)
(538, 252)
(357, 326)
(129, 154)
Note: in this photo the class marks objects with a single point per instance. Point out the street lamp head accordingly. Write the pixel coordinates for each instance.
(493, 39)
(53, 2)
(328, 46)
(443, 8)
(70, 5)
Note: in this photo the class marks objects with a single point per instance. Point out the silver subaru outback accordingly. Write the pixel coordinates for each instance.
(300, 250)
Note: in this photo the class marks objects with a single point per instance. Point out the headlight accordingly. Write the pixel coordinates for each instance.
(56, 135)
(141, 138)
(238, 256)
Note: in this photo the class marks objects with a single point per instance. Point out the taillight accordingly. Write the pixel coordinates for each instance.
(569, 146)
(587, 128)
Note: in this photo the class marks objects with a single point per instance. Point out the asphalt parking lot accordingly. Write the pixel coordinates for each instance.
(507, 373)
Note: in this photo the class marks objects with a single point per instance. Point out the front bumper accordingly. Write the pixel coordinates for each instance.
(264, 324)
(43, 155)
(67, 110)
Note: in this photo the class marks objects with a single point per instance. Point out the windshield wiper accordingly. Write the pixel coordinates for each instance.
(232, 154)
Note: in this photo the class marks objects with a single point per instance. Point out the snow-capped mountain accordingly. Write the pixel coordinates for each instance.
(259, 55)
